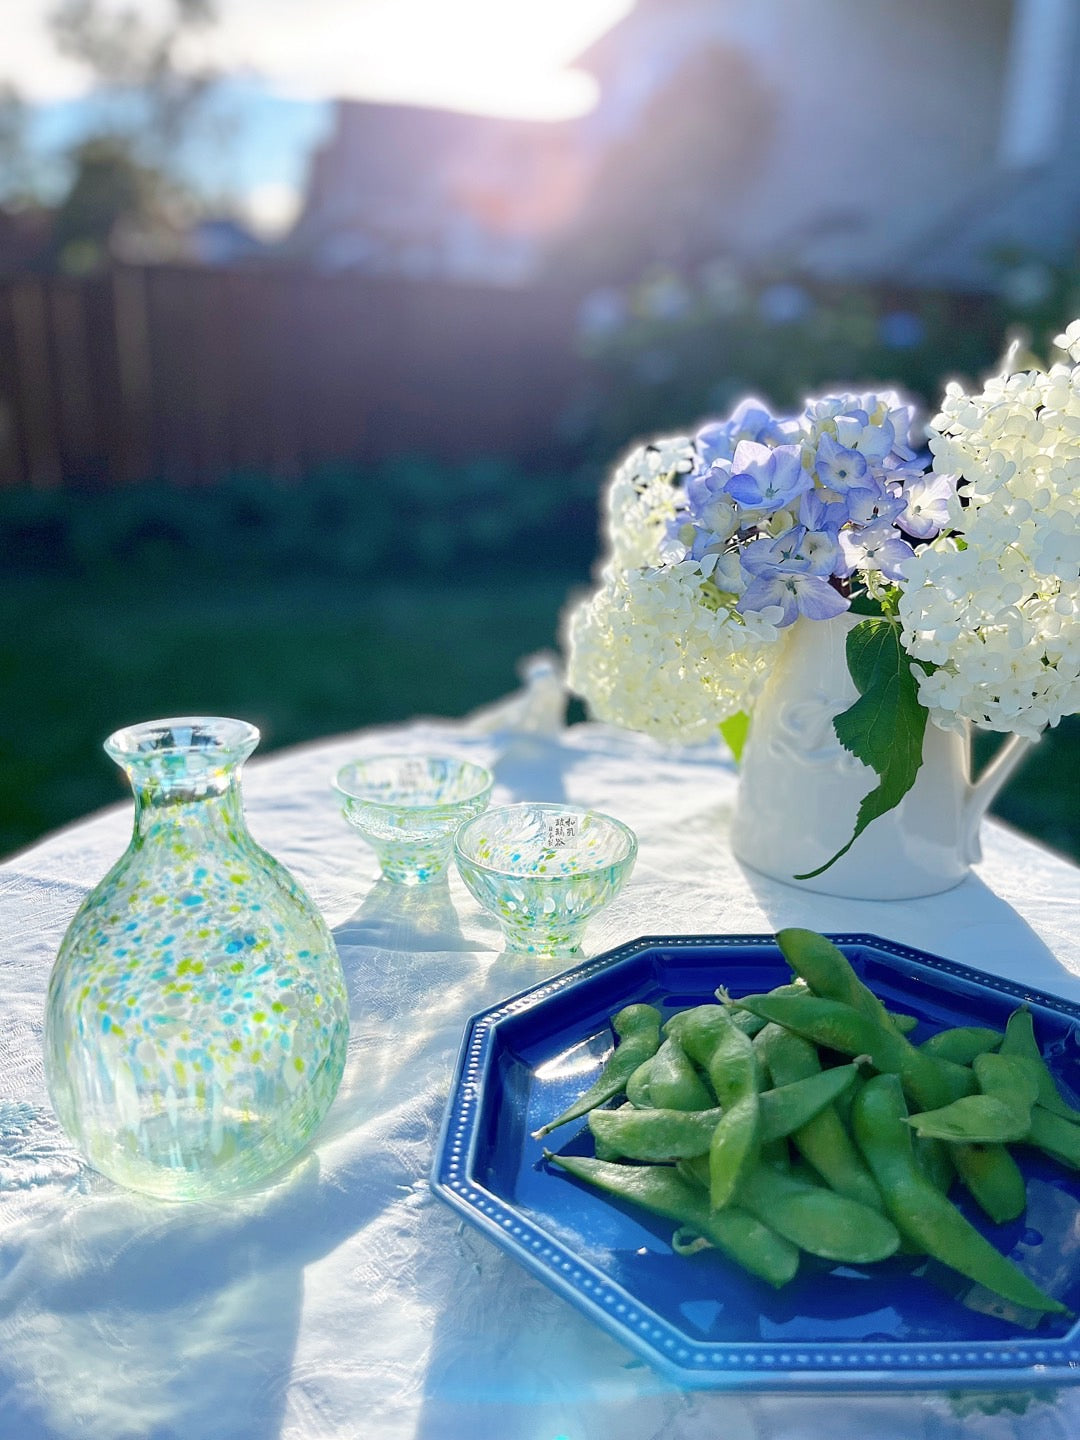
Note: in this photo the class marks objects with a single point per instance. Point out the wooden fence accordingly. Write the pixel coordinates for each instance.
(190, 374)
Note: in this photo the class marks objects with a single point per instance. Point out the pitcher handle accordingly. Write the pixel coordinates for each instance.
(981, 795)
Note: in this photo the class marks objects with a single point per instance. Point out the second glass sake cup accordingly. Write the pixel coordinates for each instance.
(543, 871)
(407, 808)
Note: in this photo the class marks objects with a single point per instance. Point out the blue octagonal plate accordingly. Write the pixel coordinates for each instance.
(700, 1320)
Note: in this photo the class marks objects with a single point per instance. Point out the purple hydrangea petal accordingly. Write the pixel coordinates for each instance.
(872, 503)
(763, 593)
(818, 600)
(839, 467)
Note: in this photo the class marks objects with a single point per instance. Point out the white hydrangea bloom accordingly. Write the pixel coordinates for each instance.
(646, 651)
(1070, 341)
(652, 649)
(641, 500)
(998, 612)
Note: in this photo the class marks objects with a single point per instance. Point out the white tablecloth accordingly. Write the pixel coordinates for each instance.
(346, 1301)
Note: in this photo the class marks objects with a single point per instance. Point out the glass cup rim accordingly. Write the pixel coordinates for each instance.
(485, 781)
(547, 807)
(223, 737)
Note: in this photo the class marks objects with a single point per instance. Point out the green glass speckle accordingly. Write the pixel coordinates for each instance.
(170, 1055)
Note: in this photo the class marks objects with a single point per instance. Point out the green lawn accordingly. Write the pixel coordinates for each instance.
(301, 657)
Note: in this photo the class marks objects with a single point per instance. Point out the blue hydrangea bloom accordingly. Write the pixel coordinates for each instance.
(750, 420)
(764, 479)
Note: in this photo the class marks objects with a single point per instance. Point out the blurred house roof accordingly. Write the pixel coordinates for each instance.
(903, 140)
(433, 192)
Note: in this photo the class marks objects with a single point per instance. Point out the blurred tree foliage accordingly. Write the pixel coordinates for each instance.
(125, 193)
(128, 53)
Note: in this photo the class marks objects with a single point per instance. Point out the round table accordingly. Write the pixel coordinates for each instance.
(346, 1300)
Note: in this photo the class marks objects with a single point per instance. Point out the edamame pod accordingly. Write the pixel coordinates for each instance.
(818, 1220)
(726, 1053)
(638, 1029)
(1020, 1040)
(663, 1191)
(932, 1158)
(1013, 1079)
(993, 1178)
(962, 1043)
(752, 1024)
(904, 1023)
(923, 1215)
(734, 1150)
(930, 1083)
(829, 973)
(787, 1108)
(654, 1134)
(979, 1118)
(823, 1141)
(1058, 1137)
(669, 1081)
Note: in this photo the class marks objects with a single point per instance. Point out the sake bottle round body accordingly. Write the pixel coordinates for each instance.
(197, 1019)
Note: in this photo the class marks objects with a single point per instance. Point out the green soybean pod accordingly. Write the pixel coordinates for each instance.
(654, 1134)
(818, 1220)
(930, 1083)
(904, 1023)
(746, 1022)
(664, 1191)
(823, 1141)
(1012, 1079)
(829, 973)
(787, 1108)
(1056, 1136)
(696, 1171)
(638, 1029)
(745, 1019)
(921, 1213)
(734, 1150)
(980, 1118)
(669, 1081)
(1020, 1040)
(932, 1157)
(962, 1043)
(993, 1179)
(723, 1051)
(775, 1153)
(727, 1055)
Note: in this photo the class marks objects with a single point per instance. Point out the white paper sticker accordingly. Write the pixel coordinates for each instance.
(561, 830)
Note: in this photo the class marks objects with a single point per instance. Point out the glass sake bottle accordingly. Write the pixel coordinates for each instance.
(197, 1020)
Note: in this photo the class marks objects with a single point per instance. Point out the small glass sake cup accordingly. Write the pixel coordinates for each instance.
(407, 808)
(543, 871)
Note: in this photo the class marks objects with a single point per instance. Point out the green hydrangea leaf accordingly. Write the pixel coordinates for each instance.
(884, 727)
(735, 730)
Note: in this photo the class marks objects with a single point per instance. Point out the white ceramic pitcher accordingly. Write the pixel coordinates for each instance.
(800, 790)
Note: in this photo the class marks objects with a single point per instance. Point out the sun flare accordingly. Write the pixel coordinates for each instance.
(504, 57)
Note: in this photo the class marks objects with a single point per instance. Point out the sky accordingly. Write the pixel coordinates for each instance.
(288, 59)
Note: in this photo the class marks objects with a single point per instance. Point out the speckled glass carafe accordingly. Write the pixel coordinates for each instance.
(197, 1020)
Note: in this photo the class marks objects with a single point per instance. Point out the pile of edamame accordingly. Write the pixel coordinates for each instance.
(739, 1124)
